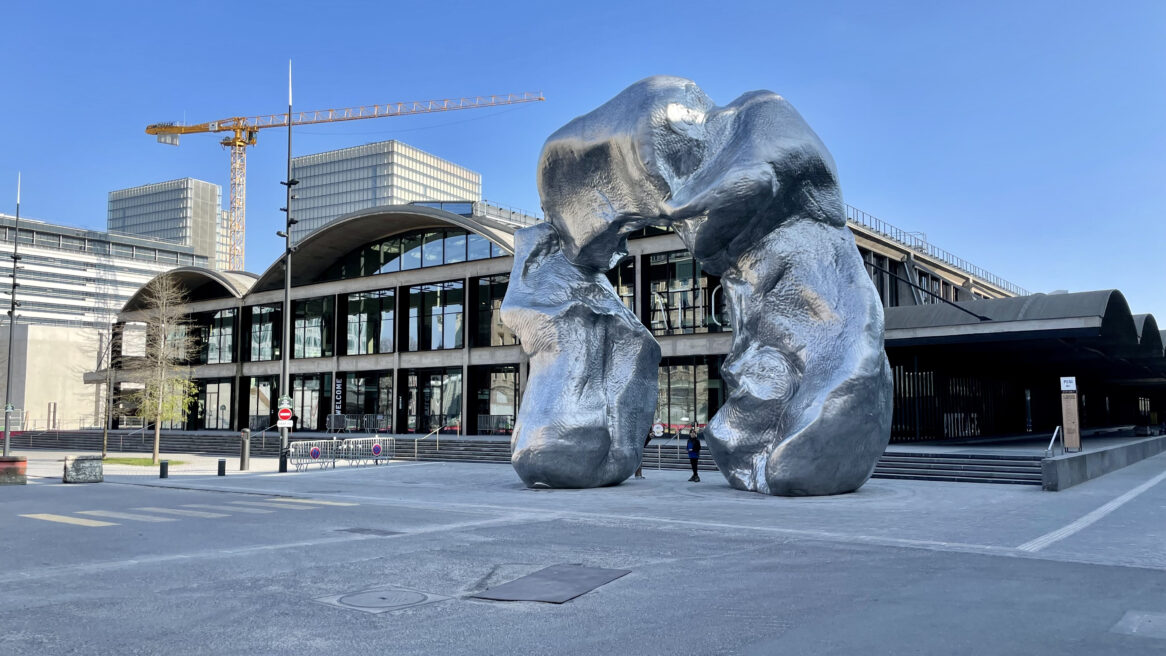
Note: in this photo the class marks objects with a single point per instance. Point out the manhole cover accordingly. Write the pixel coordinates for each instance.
(381, 600)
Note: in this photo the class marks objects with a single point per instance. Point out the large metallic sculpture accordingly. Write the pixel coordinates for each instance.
(753, 194)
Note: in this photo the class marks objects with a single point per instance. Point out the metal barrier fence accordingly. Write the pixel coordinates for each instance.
(354, 451)
(348, 423)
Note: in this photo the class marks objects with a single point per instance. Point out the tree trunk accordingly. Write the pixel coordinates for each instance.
(158, 429)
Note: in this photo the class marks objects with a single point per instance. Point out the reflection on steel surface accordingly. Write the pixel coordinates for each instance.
(591, 391)
(753, 194)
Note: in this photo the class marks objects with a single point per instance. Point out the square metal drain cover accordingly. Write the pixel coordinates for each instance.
(381, 600)
(555, 585)
(1147, 625)
(367, 531)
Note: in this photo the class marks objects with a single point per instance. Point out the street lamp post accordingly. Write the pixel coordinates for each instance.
(11, 328)
(285, 351)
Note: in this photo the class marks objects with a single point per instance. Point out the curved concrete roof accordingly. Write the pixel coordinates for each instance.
(200, 284)
(322, 248)
(1149, 337)
(1100, 314)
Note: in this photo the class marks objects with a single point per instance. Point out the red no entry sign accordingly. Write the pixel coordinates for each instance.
(285, 414)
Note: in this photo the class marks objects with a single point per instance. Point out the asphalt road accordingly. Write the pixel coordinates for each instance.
(262, 563)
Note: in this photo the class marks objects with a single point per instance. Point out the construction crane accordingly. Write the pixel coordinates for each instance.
(244, 130)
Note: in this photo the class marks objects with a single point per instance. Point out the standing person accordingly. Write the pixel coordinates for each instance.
(640, 469)
(693, 453)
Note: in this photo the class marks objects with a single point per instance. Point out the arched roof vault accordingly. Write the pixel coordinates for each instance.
(199, 284)
(322, 248)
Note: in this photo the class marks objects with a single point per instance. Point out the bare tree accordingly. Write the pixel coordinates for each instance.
(167, 391)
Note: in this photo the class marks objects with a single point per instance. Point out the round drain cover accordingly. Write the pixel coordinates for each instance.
(383, 599)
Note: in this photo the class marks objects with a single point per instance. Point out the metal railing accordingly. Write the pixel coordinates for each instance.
(1049, 450)
(432, 433)
(920, 245)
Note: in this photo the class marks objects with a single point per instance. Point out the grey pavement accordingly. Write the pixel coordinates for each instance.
(256, 563)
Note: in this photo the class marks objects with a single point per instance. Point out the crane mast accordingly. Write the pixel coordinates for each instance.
(243, 131)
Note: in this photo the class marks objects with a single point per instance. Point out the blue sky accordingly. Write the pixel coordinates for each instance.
(1026, 137)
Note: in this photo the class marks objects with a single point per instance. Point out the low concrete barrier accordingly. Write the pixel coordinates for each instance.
(83, 469)
(1065, 471)
(13, 470)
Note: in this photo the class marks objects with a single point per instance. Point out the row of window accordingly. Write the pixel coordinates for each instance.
(435, 319)
(413, 250)
(427, 400)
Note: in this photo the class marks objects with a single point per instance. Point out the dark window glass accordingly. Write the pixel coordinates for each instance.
(490, 330)
(312, 328)
(623, 279)
(478, 247)
(683, 298)
(265, 332)
(391, 250)
(494, 400)
(455, 246)
(689, 392)
(411, 251)
(261, 405)
(432, 401)
(432, 249)
(370, 322)
(435, 316)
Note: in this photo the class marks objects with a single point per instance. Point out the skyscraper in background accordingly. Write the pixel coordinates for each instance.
(186, 211)
(337, 182)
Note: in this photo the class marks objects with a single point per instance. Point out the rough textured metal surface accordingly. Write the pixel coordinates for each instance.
(754, 195)
(591, 390)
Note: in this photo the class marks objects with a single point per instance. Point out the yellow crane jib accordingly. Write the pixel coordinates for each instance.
(244, 130)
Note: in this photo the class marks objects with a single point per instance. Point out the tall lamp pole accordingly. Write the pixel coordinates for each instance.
(11, 328)
(285, 351)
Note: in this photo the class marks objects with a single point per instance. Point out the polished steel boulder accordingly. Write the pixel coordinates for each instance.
(754, 195)
(591, 390)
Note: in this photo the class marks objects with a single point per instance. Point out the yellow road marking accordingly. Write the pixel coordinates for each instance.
(120, 515)
(183, 513)
(312, 501)
(64, 519)
(253, 511)
(265, 504)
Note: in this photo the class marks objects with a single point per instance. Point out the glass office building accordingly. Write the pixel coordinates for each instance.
(186, 211)
(76, 277)
(342, 181)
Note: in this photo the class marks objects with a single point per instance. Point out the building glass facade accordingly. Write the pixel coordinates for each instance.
(406, 336)
(370, 322)
(342, 181)
(436, 316)
(77, 277)
(186, 211)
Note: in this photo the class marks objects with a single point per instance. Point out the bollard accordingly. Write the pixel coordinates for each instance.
(164, 469)
(245, 451)
(222, 466)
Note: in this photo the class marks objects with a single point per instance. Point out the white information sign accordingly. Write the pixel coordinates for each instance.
(658, 430)
(283, 423)
(1068, 383)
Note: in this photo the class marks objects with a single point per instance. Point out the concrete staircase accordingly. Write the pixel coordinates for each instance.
(965, 468)
(962, 468)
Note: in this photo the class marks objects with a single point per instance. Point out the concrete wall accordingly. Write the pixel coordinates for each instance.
(49, 363)
(1071, 469)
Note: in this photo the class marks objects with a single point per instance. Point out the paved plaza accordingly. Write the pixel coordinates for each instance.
(268, 563)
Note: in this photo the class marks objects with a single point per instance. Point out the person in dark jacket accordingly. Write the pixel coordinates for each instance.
(694, 454)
